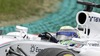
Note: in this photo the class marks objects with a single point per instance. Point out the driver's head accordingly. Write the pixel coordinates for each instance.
(66, 33)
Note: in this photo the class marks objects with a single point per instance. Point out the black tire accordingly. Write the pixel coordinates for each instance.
(55, 52)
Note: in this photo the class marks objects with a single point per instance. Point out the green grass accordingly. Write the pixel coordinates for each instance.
(13, 11)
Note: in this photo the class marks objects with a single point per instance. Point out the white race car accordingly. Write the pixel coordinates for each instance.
(22, 44)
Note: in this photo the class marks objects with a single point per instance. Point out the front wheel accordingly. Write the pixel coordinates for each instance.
(55, 52)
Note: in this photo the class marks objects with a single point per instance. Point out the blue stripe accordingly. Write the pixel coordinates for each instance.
(67, 34)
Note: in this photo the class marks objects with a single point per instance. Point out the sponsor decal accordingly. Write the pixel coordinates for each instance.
(94, 44)
(35, 48)
(94, 19)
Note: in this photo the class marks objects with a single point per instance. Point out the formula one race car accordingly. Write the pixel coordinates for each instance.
(20, 43)
(90, 38)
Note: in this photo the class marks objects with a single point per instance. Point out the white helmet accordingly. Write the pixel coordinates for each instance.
(66, 33)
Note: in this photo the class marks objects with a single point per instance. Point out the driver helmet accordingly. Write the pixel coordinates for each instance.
(66, 33)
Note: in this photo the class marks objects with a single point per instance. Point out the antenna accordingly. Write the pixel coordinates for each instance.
(89, 5)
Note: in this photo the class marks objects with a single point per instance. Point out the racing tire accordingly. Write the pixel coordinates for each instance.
(55, 52)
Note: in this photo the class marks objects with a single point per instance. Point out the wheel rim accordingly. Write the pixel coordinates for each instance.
(68, 55)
